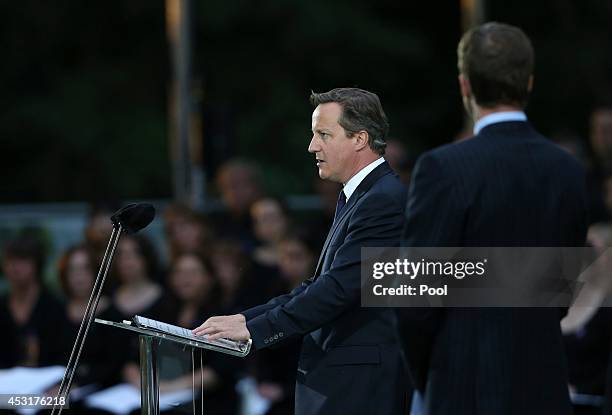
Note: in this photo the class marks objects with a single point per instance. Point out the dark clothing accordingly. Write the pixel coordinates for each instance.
(128, 341)
(507, 186)
(36, 339)
(587, 353)
(223, 398)
(350, 360)
(228, 226)
(278, 365)
(102, 358)
(10, 351)
(258, 283)
(595, 196)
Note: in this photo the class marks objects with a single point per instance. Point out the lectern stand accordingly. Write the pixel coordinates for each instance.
(149, 340)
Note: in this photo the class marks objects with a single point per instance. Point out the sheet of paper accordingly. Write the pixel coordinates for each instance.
(123, 398)
(34, 380)
(187, 334)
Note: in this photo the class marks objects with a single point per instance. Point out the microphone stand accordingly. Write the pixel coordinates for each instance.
(61, 398)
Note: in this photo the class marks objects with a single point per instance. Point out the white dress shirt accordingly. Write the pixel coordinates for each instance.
(496, 117)
(351, 185)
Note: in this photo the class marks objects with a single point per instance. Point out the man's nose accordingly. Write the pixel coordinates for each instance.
(313, 147)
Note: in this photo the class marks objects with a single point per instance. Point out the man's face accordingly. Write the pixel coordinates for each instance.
(334, 151)
(238, 189)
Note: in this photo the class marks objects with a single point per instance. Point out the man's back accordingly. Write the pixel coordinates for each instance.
(507, 186)
(518, 188)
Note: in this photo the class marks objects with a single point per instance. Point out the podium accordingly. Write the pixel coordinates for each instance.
(149, 340)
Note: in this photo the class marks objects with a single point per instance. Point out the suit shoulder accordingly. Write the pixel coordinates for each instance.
(563, 156)
(483, 147)
(389, 184)
(388, 188)
(450, 150)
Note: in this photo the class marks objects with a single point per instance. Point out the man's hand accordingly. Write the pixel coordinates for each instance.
(227, 327)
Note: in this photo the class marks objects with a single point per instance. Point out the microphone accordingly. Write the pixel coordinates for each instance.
(134, 217)
(131, 219)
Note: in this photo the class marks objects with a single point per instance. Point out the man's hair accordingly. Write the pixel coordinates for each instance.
(498, 61)
(361, 111)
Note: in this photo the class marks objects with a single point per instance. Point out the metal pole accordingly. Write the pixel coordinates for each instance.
(180, 106)
(149, 376)
(472, 13)
(90, 312)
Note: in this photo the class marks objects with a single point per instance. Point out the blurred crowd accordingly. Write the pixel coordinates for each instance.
(587, 327)
(218, 263)
(225, 261)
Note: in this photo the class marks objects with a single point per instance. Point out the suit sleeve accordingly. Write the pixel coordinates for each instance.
(435, 216)
(276, 301)
(376, 222)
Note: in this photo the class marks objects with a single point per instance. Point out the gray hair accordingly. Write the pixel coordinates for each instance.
(361, 111)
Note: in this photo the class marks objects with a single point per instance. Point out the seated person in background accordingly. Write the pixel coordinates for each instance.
(9, 347)
(100, 360)
(607, 192)
(187, 231)
(243, 283)
(99, 227)
(275, 368)
(238, 183)
(398, 158)
(194, 295)
(600, 138)
(135, 267)
(29, 309)
(321, 221)
(587, 328)
(137, 292)
(270, 220)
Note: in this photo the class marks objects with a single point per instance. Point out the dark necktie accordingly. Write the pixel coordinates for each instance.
(340, 205)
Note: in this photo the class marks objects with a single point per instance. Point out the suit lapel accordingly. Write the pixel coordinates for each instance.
(362, 189)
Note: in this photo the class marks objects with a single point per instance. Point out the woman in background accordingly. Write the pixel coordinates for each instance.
(243, 284)
(270, 224)
(186, 231)
(193, 297)
(135, 269)
(29, 311)
(100, 361)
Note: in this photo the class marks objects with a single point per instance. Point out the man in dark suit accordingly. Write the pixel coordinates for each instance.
(507, 186)
(350, 361)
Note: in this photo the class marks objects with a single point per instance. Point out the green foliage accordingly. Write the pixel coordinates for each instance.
(84, 103)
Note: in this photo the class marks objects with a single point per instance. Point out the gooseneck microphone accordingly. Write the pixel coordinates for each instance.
(130, 219)
(134, 217)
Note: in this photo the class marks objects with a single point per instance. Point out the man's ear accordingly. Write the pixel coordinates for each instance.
(530, 84)
(361, 140)
(464, 85)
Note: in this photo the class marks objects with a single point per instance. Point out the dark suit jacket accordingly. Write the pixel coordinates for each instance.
(507, 186)
(350, 361)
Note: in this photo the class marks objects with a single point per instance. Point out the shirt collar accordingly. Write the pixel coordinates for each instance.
(498, 117)
(351, 185)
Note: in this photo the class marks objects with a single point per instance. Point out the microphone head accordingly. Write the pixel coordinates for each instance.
(134, 217)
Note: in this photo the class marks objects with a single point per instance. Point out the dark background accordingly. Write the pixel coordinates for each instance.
(84, 86)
